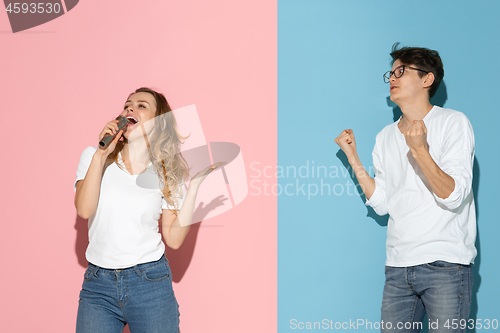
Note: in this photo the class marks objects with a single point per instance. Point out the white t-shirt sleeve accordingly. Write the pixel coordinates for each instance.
(166, 205)
(84, 164)
(457, 159)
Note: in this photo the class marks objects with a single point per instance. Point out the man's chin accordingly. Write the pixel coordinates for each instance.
(393, 98)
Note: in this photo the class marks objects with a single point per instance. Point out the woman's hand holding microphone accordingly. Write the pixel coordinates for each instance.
(109, 136)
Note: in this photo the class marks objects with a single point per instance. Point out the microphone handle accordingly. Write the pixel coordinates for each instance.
(108, 138)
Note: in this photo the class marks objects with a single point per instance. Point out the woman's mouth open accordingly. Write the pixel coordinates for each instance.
(131, 121)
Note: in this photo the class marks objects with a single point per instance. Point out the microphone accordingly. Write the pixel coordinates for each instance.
(108, 138)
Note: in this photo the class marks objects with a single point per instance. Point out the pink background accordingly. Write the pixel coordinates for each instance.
(63, 80)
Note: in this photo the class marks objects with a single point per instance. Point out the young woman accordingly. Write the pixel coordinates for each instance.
(128, 280)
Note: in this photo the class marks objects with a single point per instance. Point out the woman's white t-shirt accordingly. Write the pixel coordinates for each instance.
(124, 231)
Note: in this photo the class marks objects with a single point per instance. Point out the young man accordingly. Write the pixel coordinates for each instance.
(423, 179)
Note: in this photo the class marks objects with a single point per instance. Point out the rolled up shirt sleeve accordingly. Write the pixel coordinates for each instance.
(457, 160)
(378, 200)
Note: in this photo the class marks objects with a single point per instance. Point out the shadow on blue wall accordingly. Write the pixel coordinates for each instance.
(438, 99)
(477, 262)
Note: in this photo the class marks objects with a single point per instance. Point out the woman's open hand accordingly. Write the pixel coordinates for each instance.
(200, 176)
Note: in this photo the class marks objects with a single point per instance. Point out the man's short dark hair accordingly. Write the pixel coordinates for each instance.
(425, 59)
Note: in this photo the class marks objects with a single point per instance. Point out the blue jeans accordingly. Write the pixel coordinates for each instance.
(140, 296)
(440, 289)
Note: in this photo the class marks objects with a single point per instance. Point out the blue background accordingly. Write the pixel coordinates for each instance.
(331, 58)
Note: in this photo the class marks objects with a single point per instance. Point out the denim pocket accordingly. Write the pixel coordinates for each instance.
(156, 273)
(89, 274)
(443, 265)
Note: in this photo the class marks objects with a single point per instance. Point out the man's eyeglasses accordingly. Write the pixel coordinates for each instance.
(398, 72)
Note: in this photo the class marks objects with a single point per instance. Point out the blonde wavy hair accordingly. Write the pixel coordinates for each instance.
(164, 150)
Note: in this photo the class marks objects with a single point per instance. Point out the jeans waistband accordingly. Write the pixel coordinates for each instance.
(133, 269)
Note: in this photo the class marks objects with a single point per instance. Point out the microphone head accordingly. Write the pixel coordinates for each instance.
(122, 122)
